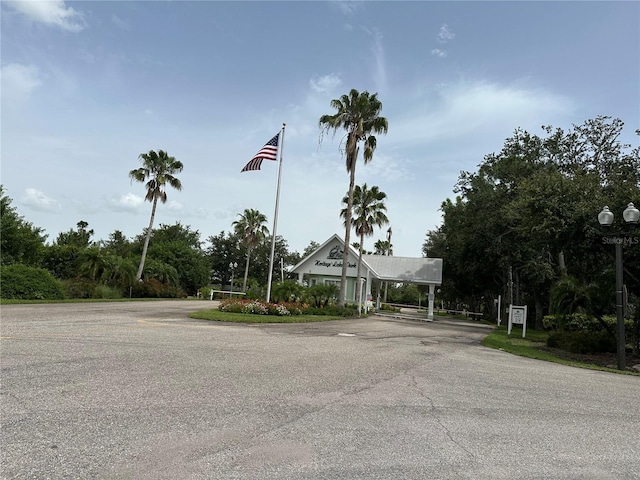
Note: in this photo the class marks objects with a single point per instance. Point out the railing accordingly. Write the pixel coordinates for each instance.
(226, 292)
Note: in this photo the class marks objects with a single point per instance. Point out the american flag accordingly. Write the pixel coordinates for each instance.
(269, 152)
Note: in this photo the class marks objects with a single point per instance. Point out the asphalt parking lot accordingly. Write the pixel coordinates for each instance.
(140, 391)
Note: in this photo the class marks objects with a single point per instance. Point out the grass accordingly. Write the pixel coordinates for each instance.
(533, 347)
(218, 316)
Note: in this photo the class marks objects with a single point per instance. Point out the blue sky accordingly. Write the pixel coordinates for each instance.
(88, 86)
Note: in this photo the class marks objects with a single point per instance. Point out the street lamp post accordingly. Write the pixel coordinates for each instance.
(232, 266)
(386, 284)
(605, 218)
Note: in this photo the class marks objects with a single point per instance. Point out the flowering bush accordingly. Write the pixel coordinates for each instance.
(255, 306)
(237, 305)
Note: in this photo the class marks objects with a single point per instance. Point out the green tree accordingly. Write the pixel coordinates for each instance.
(282, 259)
(158, 170)
(92, 263)
(251, 229)
(180, 247)
(224, 249)
(309, 249)
(368, 212)
(118, 244)
(382, 247)
(358, 114)
(20, 241)
(80, 238)
(528, 216)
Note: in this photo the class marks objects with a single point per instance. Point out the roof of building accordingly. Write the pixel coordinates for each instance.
(389, 268)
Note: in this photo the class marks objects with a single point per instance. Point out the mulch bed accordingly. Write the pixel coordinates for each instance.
(608, 360)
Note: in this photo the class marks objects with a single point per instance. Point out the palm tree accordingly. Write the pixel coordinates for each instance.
(382, 247)
(252, 230)
(368, 212)
(358, 114)
(159, 168)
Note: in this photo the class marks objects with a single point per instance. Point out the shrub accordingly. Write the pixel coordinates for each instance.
(582, 342)
(105, 291)
(236, 305)
(320, 295)
(331, 310)
(254, 306)
(154, 288)
(79, 287)
(286, 291)
(29, 283)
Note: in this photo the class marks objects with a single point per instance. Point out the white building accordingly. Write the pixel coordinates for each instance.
(324, 266)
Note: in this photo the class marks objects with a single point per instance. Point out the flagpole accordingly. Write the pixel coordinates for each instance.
(275, 218)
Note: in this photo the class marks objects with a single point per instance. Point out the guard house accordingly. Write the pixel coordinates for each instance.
(324, 266)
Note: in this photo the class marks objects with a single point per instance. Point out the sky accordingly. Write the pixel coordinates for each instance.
(87, 86)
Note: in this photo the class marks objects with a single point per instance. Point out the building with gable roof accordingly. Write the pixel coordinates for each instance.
(324, 266)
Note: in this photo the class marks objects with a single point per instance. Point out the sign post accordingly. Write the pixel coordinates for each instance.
(517, 316)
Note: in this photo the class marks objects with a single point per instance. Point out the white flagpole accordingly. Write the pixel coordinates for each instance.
(275, 218)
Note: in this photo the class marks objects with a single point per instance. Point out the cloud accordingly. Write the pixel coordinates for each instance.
(326, 83)
(121, 24)
(377, 49)
(174, 206)
(126, 203)
(439, 53)
(51, 12)
(478, 109)
(445, 35)
(18, 81)
(37, 200)
(348, 8)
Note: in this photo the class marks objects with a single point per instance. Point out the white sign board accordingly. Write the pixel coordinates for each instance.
(517, 316)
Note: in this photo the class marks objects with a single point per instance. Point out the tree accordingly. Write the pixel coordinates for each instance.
(309, 249)
(358, 114)
(180, 247)
(223, 250)
(382, 247)
(251, 229)
(368, 212)
(20, 241)
(527, 217)
(118, 244)
(80, 238)
(159, 169)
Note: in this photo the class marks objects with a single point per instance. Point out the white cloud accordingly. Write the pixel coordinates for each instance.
(128, 202)
(175, 206)
(481, 112)
(445, 35)
(378, 55)
(50, 12)
(18, 81)
(439, 53)
(39, 201)
(121, 24)
(326, 83)
(348, 8)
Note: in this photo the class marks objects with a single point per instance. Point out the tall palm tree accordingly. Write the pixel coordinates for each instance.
(159, 169)
(368, 212)
(358, 114)
(251, 228)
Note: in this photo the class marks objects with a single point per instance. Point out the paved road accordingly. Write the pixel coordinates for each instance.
(140, 391)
